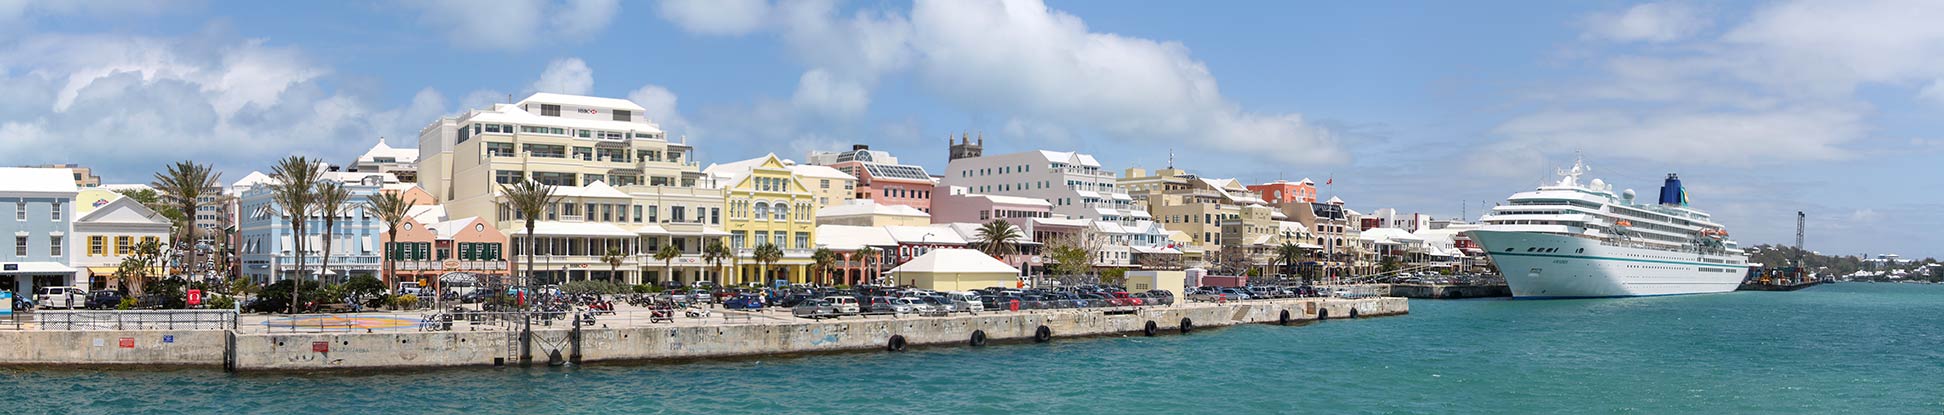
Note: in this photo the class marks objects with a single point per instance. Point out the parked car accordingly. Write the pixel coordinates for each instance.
(743, 302)
(1161, 297)
(1128, 299)
(845, 305)
(892, 305)
(918, 305)
(104, 300)
(814, 309)
(60, 297)
(970, 302)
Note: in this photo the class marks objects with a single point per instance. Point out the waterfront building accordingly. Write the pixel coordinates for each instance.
(848, 242)
(1282, 191)
(1027, 256)
(1077, 188)
(382, 158)
(955, 269)
(84, 177)
(423, 252)
(880, 177)
(767, 203)
(1259, 232)
(1332, 226)
(267, 238)
(957, 204)
(864, 212)
(1197, 206)
(111, 230)
(37, 210)
(1390, 218)
(626, 186)
(829, 186)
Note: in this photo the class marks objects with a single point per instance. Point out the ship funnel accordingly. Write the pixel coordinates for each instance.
(1672, 193)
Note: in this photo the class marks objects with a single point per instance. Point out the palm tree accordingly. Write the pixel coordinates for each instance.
(185, 184)
(821, 261)
(667, 255)
(765, 255)
(998, 239)
(1289, 254)
(714, 253)
(392, 209)
(528, 200)
(294, 191)
(613, 258)
(331, 197)
(868, 256)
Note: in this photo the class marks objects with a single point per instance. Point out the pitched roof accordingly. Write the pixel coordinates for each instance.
(822, 172)
(928, 235)
(851, 238)
(401, 155)
(1069, 157)
(955, 261)
(863, 207)
(37, 180)
(595, 189)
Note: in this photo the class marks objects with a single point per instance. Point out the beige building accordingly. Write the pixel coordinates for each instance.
(624, 186)
(768, 203)
(830, 187)
(1195, 206)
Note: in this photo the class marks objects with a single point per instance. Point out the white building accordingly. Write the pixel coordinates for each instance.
(110, 233)
(1076, 186)
(382, 158)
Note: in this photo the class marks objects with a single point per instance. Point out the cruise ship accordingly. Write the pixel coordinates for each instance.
(1571, 239)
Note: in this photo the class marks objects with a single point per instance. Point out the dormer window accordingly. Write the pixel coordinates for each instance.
(550, 110)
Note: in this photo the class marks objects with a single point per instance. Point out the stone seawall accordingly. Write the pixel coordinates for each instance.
(1449, 291)
(406, 349)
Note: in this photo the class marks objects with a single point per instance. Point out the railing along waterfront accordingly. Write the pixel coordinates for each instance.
(134, 320)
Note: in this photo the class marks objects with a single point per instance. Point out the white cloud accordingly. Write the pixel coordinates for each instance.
(659, 104)
(1648, 22)
(1933, 92)
(818, 93)
(566, 76)
(515, 24)
(129, 103)
(1019, 59)
(1674, 137)
(716, 17)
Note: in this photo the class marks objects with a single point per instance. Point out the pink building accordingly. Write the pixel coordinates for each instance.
(879, 176)
(1282, 191)
(957, 205)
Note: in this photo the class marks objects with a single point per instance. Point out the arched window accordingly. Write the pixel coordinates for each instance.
(782, 211)
(762, 210)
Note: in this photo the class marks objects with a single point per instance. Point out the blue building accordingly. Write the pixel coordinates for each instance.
(37, 211)
(266, 238)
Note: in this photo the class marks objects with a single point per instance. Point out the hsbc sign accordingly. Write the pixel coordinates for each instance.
(589, 111)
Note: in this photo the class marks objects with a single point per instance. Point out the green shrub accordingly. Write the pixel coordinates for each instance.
(406, 301)
(127, 303)
(220, 303)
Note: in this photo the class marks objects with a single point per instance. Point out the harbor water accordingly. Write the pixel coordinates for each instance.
(1843, 348)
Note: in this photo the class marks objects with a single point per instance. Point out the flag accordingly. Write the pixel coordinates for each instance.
(1330, 181)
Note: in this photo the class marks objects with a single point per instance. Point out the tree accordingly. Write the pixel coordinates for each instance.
(613, 258)
(1114, 276)
(184, 185)
(1388, 264)
(667, 255)
(331, 197)
(1070, 256)
(821, 261)
(714, 253)
(1288, 254)
(294, 191)
(869, 256)
(765, 255)
(390, 208)
(998, 239)
(528, 199)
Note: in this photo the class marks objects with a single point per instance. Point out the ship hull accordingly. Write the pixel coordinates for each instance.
(1547, 266)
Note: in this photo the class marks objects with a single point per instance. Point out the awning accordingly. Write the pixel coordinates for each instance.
(1084, 193)
(713, 231)
(35, 268)
(103, 270)
(1122, 196)
(652, 229)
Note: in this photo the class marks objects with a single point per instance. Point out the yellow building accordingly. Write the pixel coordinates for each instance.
(830, 186)
(1190, 204)
(766, 202)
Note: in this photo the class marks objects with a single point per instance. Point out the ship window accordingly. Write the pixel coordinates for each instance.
(1508, 249)
(1531, 249)
(1579, 251)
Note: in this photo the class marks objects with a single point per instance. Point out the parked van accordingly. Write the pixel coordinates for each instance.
(61, 297)
(846, 305)
(971, 300)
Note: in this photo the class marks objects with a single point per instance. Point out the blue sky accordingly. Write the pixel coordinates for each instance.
(1765, 108)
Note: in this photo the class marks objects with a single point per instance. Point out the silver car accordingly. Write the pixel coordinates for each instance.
(814, 309)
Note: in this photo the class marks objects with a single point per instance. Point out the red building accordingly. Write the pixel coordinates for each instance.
(1282, 191)
(879, 176)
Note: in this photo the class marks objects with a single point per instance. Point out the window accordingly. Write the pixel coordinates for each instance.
(584, 153)
(736, 239)
(543, 130)
(20, 212)
(762, 237)
(508, 176)
(825, 183)
(607, 213)
(499, 149)
(97, 245)
(590, 213)
(544, 150)
(653, 213)
(54, 245)
(637, 215)
(803, 240)
(591, 178)
(550, 110)
(20, 246)
(55, 213)
(124, 245)
(677, 213)
(782, 211)
(715, 216)
(622, 115)
(762, 210)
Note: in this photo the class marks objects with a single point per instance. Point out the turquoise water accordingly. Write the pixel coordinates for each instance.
(1848, 348)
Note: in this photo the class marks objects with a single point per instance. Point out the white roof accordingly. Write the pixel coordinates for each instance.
(553, 228)
(581, 101)
(250, 180)
(1120, 196)
(928, 235)
(123, 209)
(866, 207)
(955, 261)
(1108, 227)
(1085, 193)
(1070, 158)
(851, 238)
(512, 114)
(1068, 222)
(427, 213)
(1154, 250)
(1334, 201)
(728, 174)
(446, 229)
(118, 187)
(1013, 200)
(651, 229)
(37, 180)
(1381, 235)
(400, 155)
(596, 189)
(821, 172)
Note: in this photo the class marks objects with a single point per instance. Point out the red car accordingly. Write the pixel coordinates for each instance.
(1126, 299)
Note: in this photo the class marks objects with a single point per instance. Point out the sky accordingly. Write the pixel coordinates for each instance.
(1443, 108)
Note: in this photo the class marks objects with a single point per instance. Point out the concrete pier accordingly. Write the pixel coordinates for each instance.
(1435, 291)
(408, 349)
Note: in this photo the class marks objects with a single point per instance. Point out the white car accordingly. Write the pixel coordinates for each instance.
(845, 305)
(970, 301)
(61, 297)
(918, 305)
